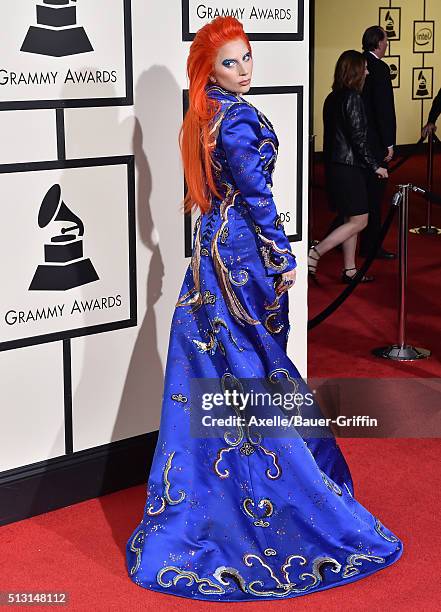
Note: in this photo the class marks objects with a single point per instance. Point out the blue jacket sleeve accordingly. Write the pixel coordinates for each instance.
(241, 135)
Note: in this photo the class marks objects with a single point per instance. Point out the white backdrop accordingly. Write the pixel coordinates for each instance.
(117, 375)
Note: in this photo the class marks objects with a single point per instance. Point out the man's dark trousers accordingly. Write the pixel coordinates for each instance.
(376, 189)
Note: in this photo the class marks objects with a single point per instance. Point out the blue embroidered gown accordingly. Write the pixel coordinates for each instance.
(244, 517)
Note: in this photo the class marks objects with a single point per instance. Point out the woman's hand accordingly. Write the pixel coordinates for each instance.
(382, 173)
(287, 281)
(429, 128)
(390, 154)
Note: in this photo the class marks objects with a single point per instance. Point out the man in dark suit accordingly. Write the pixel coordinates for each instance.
(378, 97)
(380, 110)
(434, 113)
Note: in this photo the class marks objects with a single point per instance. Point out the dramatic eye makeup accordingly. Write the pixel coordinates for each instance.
(230, 62)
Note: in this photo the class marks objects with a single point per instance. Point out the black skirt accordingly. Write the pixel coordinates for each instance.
(346, 187)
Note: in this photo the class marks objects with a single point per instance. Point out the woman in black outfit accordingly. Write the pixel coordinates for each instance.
(347, 160)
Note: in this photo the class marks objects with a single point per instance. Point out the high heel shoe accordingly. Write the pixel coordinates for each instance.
(345, 278)
(312, 267)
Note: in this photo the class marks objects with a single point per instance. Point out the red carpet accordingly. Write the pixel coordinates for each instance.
(80, 549)
(368, 319)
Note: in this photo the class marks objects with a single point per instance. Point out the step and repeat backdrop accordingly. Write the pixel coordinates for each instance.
(94, 244)
(412, 28)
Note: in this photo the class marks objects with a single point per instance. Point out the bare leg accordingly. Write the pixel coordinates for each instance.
(345, 234)
(352, 226)
(349, 246)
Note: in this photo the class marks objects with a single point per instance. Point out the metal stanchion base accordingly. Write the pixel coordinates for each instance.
(426, 229)
(401, 353)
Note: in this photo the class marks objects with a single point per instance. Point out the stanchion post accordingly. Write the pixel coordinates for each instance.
(428, 228)
(311, 187)
(402, 262)
(402, 351)
(429, 179)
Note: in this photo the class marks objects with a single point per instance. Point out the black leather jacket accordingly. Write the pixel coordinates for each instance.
(345, 130)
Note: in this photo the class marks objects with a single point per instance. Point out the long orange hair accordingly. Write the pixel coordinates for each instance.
(194, 138)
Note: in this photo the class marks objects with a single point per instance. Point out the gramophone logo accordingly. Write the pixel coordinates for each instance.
(422, 91)
(57, 33)
(65, 266)
(390, 20)
(390, 26)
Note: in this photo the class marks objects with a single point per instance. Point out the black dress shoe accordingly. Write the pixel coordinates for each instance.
(381, 254)
(347, 279)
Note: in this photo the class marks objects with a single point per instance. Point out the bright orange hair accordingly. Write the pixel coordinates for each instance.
(194, 138)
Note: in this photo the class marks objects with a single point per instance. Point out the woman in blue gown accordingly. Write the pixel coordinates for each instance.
(242, 516)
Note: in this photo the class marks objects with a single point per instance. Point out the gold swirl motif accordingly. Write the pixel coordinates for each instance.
(233, 444)
(274, 305)
(295, 385)
(219, 458)
(247, 449)
(355, 559)
(282, 588)
(275, 464)
(248, 560)
(138, 539)
(317, 565)
(284, 371)
(215, 127)
(217, 324)
(378, 529)
(266, 252)
(273, 157)
(232, 301)
(239, 283)
(223, 571)
(209, 298)
(278, 222)
(178, 397)
(224, 235)
(273, 330)
(257, 440)
(268, 248)
(166, 499)
(196, 301)
(259, 521)
(207, 347)
(161, 508)
(205, 585)
(234, 382)
(273, 245)
(213, 342)
(216, 165)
